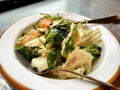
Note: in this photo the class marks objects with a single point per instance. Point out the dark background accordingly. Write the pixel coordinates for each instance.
(11, 4)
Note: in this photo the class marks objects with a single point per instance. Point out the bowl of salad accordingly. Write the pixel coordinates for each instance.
(55, 41)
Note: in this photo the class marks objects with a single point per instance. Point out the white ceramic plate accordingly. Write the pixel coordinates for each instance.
(104, 69)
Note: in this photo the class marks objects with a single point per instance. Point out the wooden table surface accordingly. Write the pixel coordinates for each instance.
(89, 8)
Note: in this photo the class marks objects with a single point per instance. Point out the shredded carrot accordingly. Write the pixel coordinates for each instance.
(45, 23)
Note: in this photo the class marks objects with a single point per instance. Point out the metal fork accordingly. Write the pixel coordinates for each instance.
(106, 20)
(50, 72)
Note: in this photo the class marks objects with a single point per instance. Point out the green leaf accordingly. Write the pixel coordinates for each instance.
(58, 17)
(94, 50)
(54, 58)
(57, 34)
(36, 27)
(69, 47)
(51, 35)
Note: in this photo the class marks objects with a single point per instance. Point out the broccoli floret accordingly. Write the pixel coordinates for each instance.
(27, 52)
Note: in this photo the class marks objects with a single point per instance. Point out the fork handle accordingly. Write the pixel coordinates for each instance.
(84, 76)
(107, 20)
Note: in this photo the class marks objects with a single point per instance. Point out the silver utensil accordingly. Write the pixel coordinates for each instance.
(50, 72)
(107, 20)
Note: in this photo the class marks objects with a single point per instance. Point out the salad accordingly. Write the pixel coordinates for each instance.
(56, 42)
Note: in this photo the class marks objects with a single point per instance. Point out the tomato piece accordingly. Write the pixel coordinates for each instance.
(45, 23)
(33, 34)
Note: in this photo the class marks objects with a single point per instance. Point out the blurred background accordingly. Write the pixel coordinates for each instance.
(13, 10)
